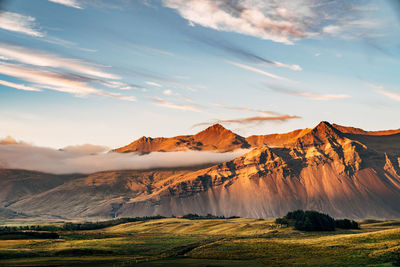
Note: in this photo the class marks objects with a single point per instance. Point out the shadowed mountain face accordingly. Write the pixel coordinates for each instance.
(343, 171)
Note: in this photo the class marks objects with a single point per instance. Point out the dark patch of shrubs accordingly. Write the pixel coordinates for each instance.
(397, 258)
(191, 216)
(294, 215)
(49, 228)
(346, 224)
(282, 221)
(315, 221)
(27, 235)
(82, 252)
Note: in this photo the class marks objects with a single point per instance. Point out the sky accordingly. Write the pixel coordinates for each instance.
(108, 72)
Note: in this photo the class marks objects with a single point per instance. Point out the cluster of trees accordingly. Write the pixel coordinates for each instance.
(191, 216)
(315, 221)
(347, 224)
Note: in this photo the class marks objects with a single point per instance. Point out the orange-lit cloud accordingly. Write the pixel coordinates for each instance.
(249, 120)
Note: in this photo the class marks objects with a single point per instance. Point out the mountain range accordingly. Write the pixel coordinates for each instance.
(343, 171)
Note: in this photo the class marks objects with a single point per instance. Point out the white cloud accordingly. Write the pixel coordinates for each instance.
(287, 66)
(244, 17)
(171, 93)
(167, 92)
(380, 89)
(310, 95)
(332, 29)
(15, 22)
(253, 69)
(119, 85)
(262, 112)
(38, 58)
(19, 86)
(392, 95)
(321, 96)
(283, 21)
(70, 3)
(161, 102)
(89, 159)
(117, 96)
(153, 84)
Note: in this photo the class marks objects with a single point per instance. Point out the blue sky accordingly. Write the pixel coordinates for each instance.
(108, 72)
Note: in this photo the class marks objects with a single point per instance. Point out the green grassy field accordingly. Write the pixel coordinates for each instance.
(233, 242)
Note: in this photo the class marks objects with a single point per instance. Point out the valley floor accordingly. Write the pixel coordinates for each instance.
(217, 242)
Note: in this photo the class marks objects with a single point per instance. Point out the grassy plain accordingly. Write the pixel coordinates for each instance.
(233, 242)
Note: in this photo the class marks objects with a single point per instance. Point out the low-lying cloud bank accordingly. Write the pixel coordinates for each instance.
(90, 159)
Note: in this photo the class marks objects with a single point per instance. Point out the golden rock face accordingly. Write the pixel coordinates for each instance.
(343, 173)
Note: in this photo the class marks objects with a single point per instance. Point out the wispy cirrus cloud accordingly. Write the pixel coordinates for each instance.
(120, 85)
(380, 89)
(310, 95)
(62, 82)
(153, 84)
(152, 50)
(256, 70)
(16, 22)
(250, 120)
(169, 92)
(159, 80)
(27, 25)
(262, 112)
(56, 81)
(41, 59)
(52, 72)
(19, 86)
(164, 103)
(69, 3)
(283, 21)
(241, 52)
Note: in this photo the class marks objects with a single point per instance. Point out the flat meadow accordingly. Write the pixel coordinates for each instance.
(211, 242)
